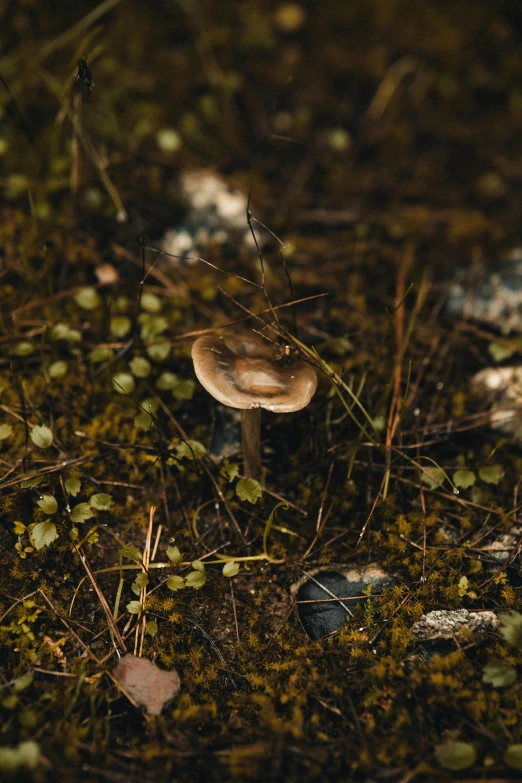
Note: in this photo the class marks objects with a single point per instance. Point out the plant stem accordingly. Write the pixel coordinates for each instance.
(251, 435)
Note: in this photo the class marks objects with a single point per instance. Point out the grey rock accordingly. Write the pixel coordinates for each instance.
(321, 616)
(216, 214)
(501, 388)
(491, 294)
(449, 624)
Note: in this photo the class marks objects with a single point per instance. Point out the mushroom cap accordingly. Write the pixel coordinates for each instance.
(242, 371)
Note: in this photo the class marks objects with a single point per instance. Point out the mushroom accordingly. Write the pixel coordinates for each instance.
(244, 372)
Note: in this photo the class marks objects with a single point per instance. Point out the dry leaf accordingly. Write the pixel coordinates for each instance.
(149, 686)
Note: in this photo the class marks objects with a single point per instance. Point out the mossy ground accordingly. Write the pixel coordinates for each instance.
(395, 155)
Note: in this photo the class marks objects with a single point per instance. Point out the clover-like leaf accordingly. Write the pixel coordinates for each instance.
(5, 431)
(23, 682)
(456, 755)
(73, 486)
(197, 565)
(64, 332)
(43, 534)
(491, 474)
(513, 756)
(511, 628)
(500, 674)
(183, 390)
(249, 489)
(175, 583)
(123, 383)
(151, 628)
(229, 471)
(159, 350)
(167, 380)
(152, 325)
(120, 325)
(150, 302)
(81, 512)
(98, 355)
(31, 479)
(140, 367)
(42, 436)
(132, 552)
(57, 369)
(48, 504)
(101, 501)
(87, 299)
(134, 607)
(195, 579)
(230, 569)
(190, 449)
(23, 349)
(464, 478)
(174, 555)
(433, 476)
(500, 352)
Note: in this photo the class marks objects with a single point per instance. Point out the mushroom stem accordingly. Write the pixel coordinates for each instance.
(251, 435)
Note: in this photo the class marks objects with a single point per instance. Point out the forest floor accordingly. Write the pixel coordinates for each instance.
(380, 143)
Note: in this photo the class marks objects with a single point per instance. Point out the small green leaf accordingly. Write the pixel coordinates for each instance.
(48, 504)
(433, 476)
(43, 534)
(152, 325)
(134, 607)
(5, 431)
(142, 580)
(229, 471)
(123, 383)
(159, 350)
(73, 486)
(132, 552)
(249, 489)
(150, 302)
(57, 369)
(87, 299)
(175, 583)
(190, 449)
(513, 757)
(81, 513)
(42, 436)
(23, 349)
(31, 479)
(140, 367)
(151, 628)
(499, 674)
(230, 569)
(98, 355)
(195, 579)
(64, 332)
(511, 628)
(491, 474)
(23, 682)
(26, 754)
(464, 478)
(120, 325)
(456, 755)
(500, 352)
(183, 390)
(174, 555)
(197, 565)
(101, 502)
(167, 380)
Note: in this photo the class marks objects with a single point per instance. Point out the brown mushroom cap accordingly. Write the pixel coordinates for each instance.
(242, 371)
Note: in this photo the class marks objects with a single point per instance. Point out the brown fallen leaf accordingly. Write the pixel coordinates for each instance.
(148, 685)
